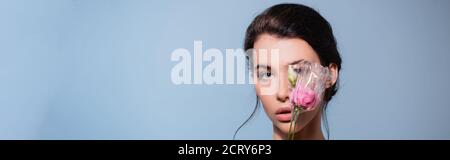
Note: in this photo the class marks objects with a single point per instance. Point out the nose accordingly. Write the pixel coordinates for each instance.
(284, 88)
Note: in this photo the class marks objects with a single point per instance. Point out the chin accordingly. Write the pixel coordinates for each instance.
(303, 120)
(284, 127)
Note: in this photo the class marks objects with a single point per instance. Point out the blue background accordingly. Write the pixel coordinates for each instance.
(83, 69)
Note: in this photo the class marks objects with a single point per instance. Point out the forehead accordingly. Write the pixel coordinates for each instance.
(290, 49)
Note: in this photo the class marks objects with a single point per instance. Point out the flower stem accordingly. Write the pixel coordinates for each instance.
(291, 133)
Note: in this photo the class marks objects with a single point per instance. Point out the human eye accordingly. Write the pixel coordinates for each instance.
(298, 70)
(264, 75)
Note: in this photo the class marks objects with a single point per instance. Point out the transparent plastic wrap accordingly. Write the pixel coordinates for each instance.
(308, 83)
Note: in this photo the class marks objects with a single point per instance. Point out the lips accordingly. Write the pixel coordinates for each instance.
(283, 114)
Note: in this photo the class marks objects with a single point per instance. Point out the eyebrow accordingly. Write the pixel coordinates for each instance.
(258, 66)
(297, 61)
(263, 66)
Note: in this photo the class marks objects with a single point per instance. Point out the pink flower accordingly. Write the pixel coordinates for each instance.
(303, 97)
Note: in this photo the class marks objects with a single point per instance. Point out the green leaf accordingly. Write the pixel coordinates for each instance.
(292, 76)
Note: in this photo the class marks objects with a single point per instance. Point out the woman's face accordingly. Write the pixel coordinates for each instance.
(271, 82)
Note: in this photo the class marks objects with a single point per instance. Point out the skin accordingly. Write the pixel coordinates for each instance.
(269, 74)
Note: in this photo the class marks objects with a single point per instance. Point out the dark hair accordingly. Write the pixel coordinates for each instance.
(297, 21)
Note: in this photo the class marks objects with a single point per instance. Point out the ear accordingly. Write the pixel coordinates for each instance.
(334, 74)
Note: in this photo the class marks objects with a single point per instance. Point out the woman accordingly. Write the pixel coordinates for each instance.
(298, 33)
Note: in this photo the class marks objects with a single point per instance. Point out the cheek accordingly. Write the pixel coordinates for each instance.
(268, 103)
(265, 88)
(258, 89)
(308, 116)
